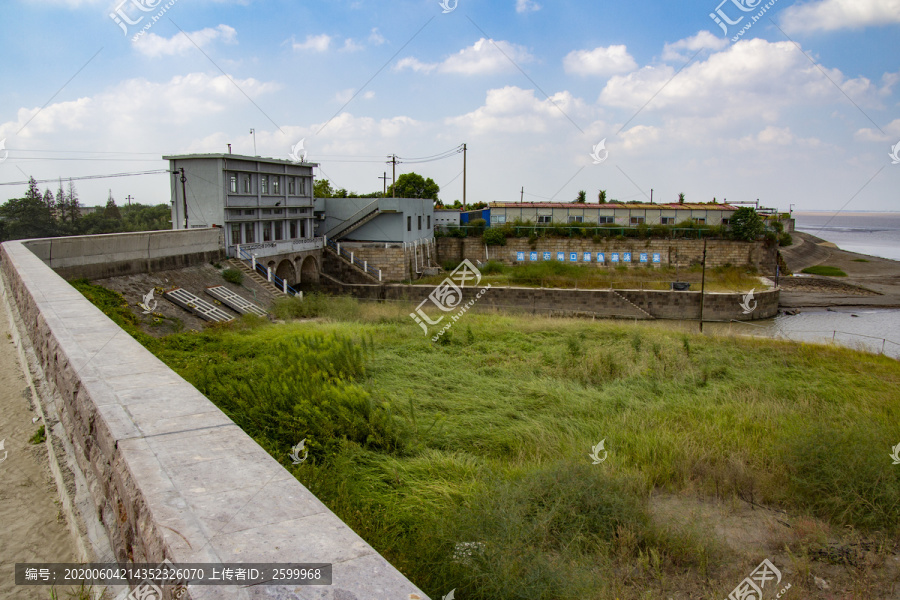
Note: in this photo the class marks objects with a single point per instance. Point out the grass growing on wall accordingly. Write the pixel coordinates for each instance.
(484, 440)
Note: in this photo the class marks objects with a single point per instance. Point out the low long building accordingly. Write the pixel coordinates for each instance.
(626, 215)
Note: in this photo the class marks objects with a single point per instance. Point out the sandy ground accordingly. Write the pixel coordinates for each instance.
(870, 281)
(32, 527)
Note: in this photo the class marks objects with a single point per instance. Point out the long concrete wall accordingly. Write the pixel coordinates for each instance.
(168, 474)
(114, 254)
(637, 304)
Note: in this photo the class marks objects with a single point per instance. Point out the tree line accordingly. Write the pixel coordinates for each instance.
(47, 214)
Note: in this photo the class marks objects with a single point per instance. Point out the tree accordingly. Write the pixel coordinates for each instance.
(48, 200)
(71, 204)
(112, 211)
(746, 224)
(680, 198)
(413, 185)
(581, 198)
(322, 189)
(27, 217)
(601, 197)
(60, 212)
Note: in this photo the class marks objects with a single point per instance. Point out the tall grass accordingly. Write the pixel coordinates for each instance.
(484, 440)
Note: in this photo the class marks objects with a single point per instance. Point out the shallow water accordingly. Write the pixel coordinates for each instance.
(871, 330)
(876, 234)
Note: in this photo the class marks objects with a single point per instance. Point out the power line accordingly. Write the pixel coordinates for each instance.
(83, 177)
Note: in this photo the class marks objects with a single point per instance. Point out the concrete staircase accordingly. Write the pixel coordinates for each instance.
(362, 216)
(643, 312)
(255, 276)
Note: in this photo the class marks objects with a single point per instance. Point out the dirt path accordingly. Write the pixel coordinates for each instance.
(32, 527)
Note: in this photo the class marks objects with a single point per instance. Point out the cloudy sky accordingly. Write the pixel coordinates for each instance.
(801, 107)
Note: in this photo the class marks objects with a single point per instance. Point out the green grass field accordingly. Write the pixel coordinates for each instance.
(824, 270)
(484, 439)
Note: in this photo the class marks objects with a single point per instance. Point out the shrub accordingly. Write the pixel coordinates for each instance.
(492, 267)
(785, 239)
(494, 237)
(233, 276)
(746, 224)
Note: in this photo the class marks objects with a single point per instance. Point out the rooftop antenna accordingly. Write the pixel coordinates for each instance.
(253, 131)
(229, 148)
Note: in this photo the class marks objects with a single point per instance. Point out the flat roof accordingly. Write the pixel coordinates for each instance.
(264, 159)
(608, 205)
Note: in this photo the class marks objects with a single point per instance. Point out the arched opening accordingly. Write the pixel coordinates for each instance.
(286, 272)
(309, 272)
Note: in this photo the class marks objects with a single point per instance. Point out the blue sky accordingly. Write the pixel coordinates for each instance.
(802, 109)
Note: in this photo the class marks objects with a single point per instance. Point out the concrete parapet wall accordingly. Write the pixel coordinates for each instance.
(114, 254)
(640, 304)
(170, 475)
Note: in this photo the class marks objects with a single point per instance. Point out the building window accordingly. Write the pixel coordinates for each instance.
(278, 211)
(278, 236)
(246, 184)
(667, 220)
(232, 184)
(264, 185)
(428, 220)
(292, 186)
(420, 222)
(303, 229)
(725, 221)
(409, 223)
(276, 185)
(250, 212)
(267, 232)
(235, 233)
(699, 221)
(637, 220)
(545, 219)
(248, 233)
(267, 211)
(293, 211)
(606, 220)
(302, 191)
(573, 219)
(498, 218)
(293, 229)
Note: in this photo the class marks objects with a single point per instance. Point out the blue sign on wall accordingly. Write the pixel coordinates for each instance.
(573, 256)
(615, 257)
(587, 257)
(626, 257)
(601, 257)
(643, 257)
(546, 256)
(533, 256)
(520, 256)
(656, 257)
(561, 256)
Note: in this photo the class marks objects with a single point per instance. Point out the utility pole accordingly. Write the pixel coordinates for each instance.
(184, 198)
(384, 186)
(129, 198)
(393, 158)
(651, 195)
(703, 286)
(253, 131)
(522, 195)
(464, 177)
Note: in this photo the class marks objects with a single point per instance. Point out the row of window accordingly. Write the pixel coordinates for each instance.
(409, 223)
(269, 185)
(272, 231)
(266, 212)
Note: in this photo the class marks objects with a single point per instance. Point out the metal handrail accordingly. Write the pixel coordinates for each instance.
(264, 271)
(351, 258)
(352, 220)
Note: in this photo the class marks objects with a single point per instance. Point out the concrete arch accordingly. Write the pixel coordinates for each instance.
(287, 272)
(309, 270)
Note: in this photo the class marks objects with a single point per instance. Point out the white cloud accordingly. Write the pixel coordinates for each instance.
(346, 95)
(752, 79)
(702, 41)
(484, 56)
(524, 6)
(316, 43)
(830, 15)
(891, 133)
(375, 38)
(154, 46)
(514, 110)
(599, 61)
(351, 46)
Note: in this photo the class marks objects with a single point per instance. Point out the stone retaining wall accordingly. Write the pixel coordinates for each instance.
(170, 475)
(681, 253)
(637, 304)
